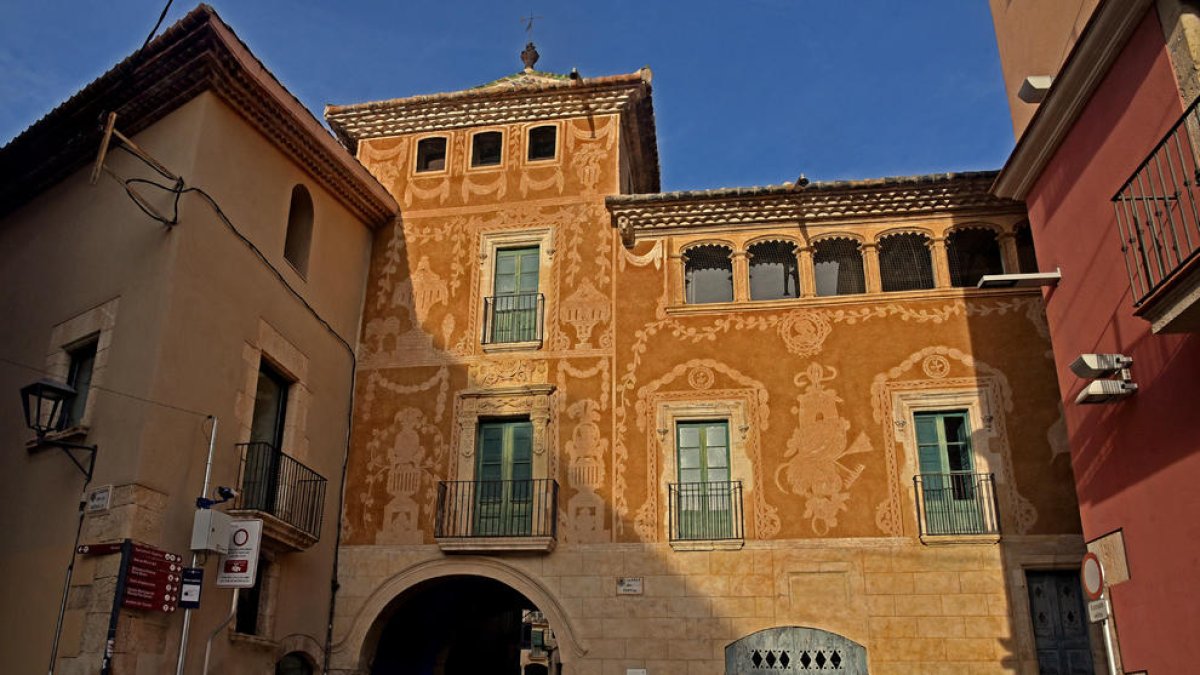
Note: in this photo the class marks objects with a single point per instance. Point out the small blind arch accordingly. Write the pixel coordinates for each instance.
(298, 240)
(708, 274)
(838, 267)
(905, 263)
(971, 253)
(774, 272)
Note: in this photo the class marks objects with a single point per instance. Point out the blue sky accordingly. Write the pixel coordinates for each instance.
(746, 92)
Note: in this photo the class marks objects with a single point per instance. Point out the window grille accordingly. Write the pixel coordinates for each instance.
(838, 267)
(971, 254)
(905, 263)
(774, 273)
(1026, 256)
(708, 274)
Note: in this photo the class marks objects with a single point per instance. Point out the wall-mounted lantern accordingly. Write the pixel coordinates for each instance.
(46, 403)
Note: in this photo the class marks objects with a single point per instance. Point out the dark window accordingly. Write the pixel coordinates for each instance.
(293, 664)
(774, 273)
(431, 154)
(83, 360)
(542, 141)
(299, 229)
(708, 274)
(487, 148)
(838, 267)
(972, 253)
(1026, 256)
(249, 603)
(904, 262)
(270, 407)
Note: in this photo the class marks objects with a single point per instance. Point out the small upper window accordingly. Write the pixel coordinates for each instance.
(431, 154)
(708, 274)
(905, 263)
(542, 141)
(83, 361)
(299, 229)
(487, 148)
(972, 253)
(774, 274)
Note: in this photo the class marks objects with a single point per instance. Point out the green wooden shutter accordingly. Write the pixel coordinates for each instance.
(929, 448)
(516, 271)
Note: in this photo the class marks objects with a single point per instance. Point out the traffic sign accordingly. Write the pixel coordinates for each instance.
(240, 565)
(1092, 574)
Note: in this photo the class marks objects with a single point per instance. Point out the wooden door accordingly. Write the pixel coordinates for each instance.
(1060, 626)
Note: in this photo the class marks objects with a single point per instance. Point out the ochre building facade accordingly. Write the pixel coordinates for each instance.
(658, 423)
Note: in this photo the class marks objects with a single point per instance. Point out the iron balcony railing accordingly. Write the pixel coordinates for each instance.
(497, 508)
(513, 318)
(1158, 209)
(956, 503)
(705, 511)
(277, 484)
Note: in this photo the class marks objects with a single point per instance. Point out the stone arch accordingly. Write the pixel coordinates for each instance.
(353, 652)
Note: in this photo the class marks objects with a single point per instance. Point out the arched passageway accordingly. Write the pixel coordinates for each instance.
(455, 625)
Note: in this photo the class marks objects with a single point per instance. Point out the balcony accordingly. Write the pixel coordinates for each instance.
(705, 515)
(1158, 219)
(287, 495)
(513, 321)
(957, 506)
(492, 516)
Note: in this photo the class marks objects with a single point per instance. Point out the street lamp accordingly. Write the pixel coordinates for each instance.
(46, 403)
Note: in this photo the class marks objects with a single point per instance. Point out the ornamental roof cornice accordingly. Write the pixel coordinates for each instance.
(819, 201)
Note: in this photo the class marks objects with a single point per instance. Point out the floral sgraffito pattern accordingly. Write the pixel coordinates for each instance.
(815, 467)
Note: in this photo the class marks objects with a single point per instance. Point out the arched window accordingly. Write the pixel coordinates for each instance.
(972, 253)
(838, 267)
(774, 273)
(1026, 257)
(708, 274)
(294, 663)
(299, 229)
(904, 262)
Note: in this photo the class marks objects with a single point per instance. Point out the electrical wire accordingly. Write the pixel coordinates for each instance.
(154, 30)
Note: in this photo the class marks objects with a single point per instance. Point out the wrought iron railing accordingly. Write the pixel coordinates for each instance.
(275, 483)
(1158, 209)
(497, 508)
(956, 503)
(513, 318)
(705, 511)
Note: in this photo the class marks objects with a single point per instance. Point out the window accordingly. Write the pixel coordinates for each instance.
(294, 663)
(708, 274)
(299, 229)
(838, 267)
(250, 604)
(543, 143)
(904, 262)
(703, 497)
(972, 253)
(83, 361)
(774, 273)
(431, 154)
(513, 312)
(487, 148)
(1026, 256)
(264, 455)
(953, 495)
(504, 478)
(270, 406)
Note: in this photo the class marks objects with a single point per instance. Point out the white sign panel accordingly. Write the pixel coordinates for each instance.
(240, 566)
(1097, 610)
(629, 586)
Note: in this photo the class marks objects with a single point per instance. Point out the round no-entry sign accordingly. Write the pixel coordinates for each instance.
(1092, 574)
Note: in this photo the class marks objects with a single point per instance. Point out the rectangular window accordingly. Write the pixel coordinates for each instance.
(542, 143)
(83, 361)
(954, 502)
(487, 148)
(704, 494)
(431, 154)
(249, 604)
(515, 302)
(504, 478)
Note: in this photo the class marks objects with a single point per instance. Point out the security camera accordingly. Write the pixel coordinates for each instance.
(1091, 366)
(226, 493)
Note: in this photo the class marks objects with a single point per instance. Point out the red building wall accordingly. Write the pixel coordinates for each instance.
(1137, 462)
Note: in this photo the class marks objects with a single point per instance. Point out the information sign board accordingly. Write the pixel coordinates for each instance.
(189, 590)
(240, 566)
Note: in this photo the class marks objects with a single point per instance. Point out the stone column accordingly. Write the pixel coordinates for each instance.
(675, 279)
(870, 254)
(941, 264)
(1008, 252)
(741, 276)
(808, 273)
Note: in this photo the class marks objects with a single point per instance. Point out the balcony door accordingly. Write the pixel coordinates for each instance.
(260, 478)
(504, 479)
(948, 481)
(516, 295)
(704, 496)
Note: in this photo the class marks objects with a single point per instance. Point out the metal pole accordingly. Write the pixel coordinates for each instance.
(1109, 649)
(220, 627)
(187, 613)
(62, 607)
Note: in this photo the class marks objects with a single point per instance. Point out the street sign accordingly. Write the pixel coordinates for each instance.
(1097, 610)
(629, 586)
(189, 592)
(240, 566)
(152, 579)
(99, 549)
(1092, 575)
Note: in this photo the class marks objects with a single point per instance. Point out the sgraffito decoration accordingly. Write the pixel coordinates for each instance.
(814, 464)
(384, 159)
(400, 456)
(586, 451)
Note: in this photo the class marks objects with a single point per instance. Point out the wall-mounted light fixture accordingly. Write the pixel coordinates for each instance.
(1020, 280)
(1109, 375)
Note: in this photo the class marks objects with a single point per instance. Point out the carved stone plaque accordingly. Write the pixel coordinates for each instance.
(795, 648)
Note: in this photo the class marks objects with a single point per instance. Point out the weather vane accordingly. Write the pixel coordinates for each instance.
(528, 21)
(530, 56)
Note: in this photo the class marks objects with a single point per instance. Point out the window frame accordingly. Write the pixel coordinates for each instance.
(416, 155)
(733, 272)
(88, 348)
(527, 144)
(490, 243)
(499, 166)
